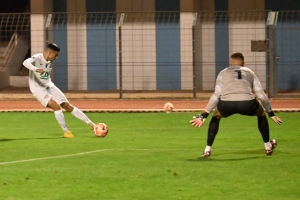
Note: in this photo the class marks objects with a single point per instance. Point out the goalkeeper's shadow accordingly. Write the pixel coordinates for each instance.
(238, 156)
(212, 159)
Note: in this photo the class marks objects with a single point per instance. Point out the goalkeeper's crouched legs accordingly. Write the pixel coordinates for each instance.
(212, 130)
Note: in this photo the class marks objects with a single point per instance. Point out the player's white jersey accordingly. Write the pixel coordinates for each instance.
(37, 80)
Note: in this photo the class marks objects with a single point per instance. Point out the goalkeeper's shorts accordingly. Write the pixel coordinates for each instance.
(248, 108)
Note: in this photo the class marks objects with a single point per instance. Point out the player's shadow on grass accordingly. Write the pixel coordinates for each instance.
(16, 139)
(235, 154)
(212, 159)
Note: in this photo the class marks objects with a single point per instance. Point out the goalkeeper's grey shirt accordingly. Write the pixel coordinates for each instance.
(237, 83)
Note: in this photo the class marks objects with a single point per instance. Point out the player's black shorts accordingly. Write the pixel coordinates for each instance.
(249, 108)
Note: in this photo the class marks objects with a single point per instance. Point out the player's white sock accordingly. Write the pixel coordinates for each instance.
(80, 115)
(61, 120)
(268, 145)
(207, 148)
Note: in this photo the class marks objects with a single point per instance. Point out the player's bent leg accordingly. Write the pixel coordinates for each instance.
(263, 127)
(211, 134)
(68, 107)
(43, 96)
(78, 114)
(53, 105)
(60, 118)
(212, 130)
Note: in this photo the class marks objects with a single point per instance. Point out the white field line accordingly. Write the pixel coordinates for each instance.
(79, 154)
(54, 157)
(134, 110)
(102, 150)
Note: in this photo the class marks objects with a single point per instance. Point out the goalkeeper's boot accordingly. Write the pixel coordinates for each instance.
(68, 134)
(206, 154)
(273, 146)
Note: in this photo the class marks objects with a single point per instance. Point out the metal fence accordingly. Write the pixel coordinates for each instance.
(14, 31)
(161, 51)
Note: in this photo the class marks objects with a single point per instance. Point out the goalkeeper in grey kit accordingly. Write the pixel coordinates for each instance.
(234, 95)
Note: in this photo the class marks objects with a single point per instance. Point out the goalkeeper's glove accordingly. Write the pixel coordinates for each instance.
(199, 120)
(276, 119)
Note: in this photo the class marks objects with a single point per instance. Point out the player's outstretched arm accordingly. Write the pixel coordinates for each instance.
(276, 119)
(264, 100)
(199, 120)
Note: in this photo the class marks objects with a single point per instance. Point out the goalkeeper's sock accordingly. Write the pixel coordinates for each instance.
(268, 145)
(212, 130)
(207, 148)
(263, 127)
(61, 120)
(80, 115)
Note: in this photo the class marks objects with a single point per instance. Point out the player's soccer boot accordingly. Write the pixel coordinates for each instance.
(206, 154)
(274, 145)
(68, 134)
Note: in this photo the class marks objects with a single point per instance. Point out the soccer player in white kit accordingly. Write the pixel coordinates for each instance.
(44, 90)
(234, 94)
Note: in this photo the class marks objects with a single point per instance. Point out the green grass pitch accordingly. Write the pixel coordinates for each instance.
(146, 156)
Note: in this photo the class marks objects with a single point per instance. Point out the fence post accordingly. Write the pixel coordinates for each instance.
(272, 63)
(47, 27)
(194, 55)
(272, 66)
(120, 55)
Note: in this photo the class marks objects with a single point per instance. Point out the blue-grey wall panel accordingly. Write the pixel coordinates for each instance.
(288, 49)
(287, 42)
(101, 57)
(168, 66)
(221, 35)
(60, 77)
(101, 45)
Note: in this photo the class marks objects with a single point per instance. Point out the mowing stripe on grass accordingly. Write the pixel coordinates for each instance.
(102, 150)
(79, 154)
(53, 157)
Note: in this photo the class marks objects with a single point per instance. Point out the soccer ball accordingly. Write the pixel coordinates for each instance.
(101, 130)
(168, 107)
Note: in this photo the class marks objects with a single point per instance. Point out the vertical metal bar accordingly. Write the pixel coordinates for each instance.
(194, 63)
(120, 56)
(272, 58)
(272, 63)
(48, 22)
(194, 55)
(120, 63)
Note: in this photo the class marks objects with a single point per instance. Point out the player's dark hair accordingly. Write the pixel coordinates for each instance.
(53, 47)
(237, 55)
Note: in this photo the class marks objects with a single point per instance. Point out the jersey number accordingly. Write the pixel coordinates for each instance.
(239, 72)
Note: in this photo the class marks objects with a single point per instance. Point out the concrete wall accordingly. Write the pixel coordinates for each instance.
(88, 49)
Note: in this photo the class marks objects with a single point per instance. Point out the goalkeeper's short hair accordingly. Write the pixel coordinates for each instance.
(237, 55)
